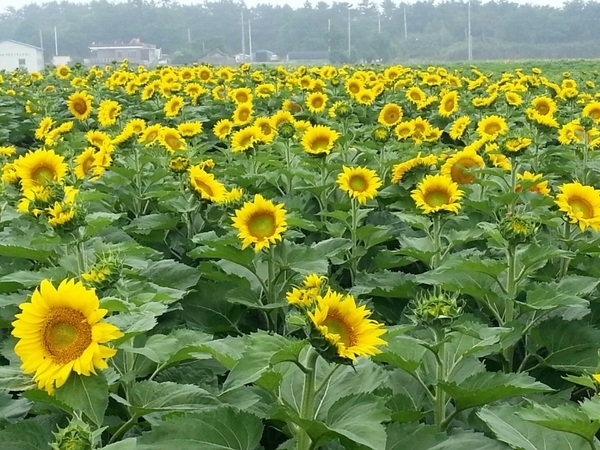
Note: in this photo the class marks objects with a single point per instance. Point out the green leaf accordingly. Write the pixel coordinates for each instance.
(426, 437)
(145, 224)
(149, 396)
(404, 352)
(26, 435)
(487, 387)
(22, 251)
(125, 444)
(567, 345)
(13, 379)
(289, 353)
(520, 434)
(385, 284)
(220, 429)
(167, 272)
(356, 417)
(548, 297)
(87, 394)
(403, 409)
(12, 410)
(567, 417)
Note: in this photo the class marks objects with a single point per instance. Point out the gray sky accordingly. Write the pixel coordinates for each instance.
(251, 3)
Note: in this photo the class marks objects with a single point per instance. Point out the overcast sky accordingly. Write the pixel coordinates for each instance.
(251, 3)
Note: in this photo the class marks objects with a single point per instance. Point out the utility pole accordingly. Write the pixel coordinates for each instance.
(469, 44)
(378, 23)
(55, 42)
(329, 35)
(349, 36)
(243, 40)
(250, 39)
(405, 28)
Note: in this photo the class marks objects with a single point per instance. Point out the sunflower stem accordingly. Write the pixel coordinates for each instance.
(440, 395)
(124, 428)
(511, 294)
(308, 397)
(353, 232)
(513, 183)
(437, 241)
(564, 262)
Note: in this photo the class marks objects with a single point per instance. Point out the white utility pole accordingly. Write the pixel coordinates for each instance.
(469, 44)
(250, 39)
(243, 40)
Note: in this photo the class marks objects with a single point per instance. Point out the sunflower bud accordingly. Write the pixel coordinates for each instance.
(381, 134)
(435, 308)
(518, 229)
(76, 436)
(286, 130)
(587, 122)
(343, 110)
(179, 164)
(106, 270)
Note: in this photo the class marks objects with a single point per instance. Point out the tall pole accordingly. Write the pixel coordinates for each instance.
(243, 40)
(329, 35)
(55, 42)
(189, 36)
(378, 24)
(250, 39)
(405, 27)
(469, 44)
(349, 36)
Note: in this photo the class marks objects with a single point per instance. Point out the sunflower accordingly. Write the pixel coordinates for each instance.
(459, 126)
(448, 104)
(136, 125)
(267, 131)
(540, 186)
(243, 114)
(44, 128)
(401, 169)
(404, 130)
(544, 106)
(97, 138)
(260, 222)
(264, 90)
(173, 106)
(245, 138)
(359, 182)
(346, 326)
(455, 165)
(150, 134)
(204, 74)
(416, 95)
(490, 127)
(8, 150)
(390, 115)
(39, 168)
(319, 140)
(108, 111)
(437, 193)
(421, 128)
(60, 214)
(280, 117)
(222, 128)
(205, 185)
(513, 99)
(353, 86)
(241, 95)
(365, 96)
(80, 105)
(581, 204)
(316, 102)
(592, 109)
(63, 72)
(190, 129)
(171, 139)
(84, 162)
(517, 144)
(60, 331)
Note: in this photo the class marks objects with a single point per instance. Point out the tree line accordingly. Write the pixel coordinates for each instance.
(386, 31)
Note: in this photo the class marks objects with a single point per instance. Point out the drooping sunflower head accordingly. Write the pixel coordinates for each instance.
(60, 331)
(581, 204)
(39, 168)
(345, 327)
(205, 185)
(390, 115)
(319, 140)
(360, 183)
(260, 223)
(437, 193)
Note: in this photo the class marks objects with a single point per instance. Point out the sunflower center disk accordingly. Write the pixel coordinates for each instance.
(43, 175)
(320, 143)
(436, 198)
(335, 325)
(205, 187)
(358, 184)
(262, 225)
(581, 208)
(80, 107)
(172, 142)
(66, 334)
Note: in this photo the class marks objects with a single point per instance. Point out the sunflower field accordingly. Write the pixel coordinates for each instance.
(277, 257)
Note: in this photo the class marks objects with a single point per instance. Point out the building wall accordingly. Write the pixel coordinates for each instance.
(14, 55)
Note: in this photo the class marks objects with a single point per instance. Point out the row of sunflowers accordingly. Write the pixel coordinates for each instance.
(270, 257)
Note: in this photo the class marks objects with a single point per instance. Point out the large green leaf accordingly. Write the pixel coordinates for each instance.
(25, 435)
(12, 410)
(404, 352)
(173, 274)
(487, 387)
(149, 396)
(427, 437)
(566, 345)
(552, 296)
(566, 417)
(87, 394)
(521, 434)
(221, 429)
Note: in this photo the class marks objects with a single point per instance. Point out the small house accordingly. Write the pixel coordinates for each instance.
(18, 55)
(134, 51)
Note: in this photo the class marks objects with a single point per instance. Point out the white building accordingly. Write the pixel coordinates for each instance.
(135, 51)
(17, 55)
